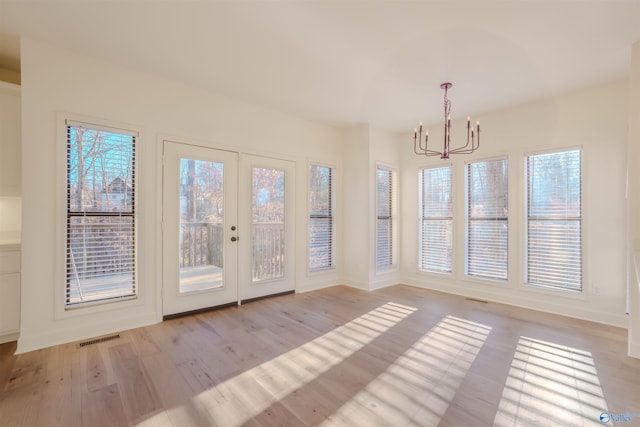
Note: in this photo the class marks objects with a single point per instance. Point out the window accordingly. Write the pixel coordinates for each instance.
(554, 220)
(321, 218)
(101, 216)
(487, 218)
(384, 217)
(436, 220)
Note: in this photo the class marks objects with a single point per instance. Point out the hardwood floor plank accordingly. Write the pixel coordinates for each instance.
(181, 409)
(103, 407)
(96, 369)
(138, 394)
(7, 362)
(333, 357)
(62, 393)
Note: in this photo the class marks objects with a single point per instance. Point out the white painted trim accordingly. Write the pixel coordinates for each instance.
(356, 284)
(561, 309)
(395, 219)
(64, 119)
(316, 287)
(9, 337)
(10, 89)
(38, 341)
(379, 284)
(334, 202)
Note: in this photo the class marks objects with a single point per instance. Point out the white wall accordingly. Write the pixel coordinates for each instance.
(594, 119)
(364, 148)
(10, 137)
(55, 80)
(356, 207)
(633, 219)
(9, 140)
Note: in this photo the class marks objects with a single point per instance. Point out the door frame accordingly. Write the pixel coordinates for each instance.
(243, 224)
(249, 289)
(173, 301)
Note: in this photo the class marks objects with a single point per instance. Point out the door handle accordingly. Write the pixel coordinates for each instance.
(234, 238)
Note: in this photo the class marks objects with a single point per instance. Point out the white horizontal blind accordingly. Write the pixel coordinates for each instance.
(487, 219)
(554, 220)
(321, 224)
(384, 215)
(436, 220)
(101, 227)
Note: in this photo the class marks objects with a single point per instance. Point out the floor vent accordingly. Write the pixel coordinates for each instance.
(477, 300)
(98, 340)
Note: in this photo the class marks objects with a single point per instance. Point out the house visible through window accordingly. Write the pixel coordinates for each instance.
(487, 218)
(436, 220)
(384, 218)
(321, 218)
(101, 216)
(554, 220)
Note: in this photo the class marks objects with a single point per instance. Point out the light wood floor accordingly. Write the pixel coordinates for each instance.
(339, 356)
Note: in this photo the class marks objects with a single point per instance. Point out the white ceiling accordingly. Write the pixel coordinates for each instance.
(348, 61)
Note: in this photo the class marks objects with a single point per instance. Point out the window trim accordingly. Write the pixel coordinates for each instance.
(334, 258)
(61, 311)
(467, 220)
(420, 219)
(386, 268)
(582, 293)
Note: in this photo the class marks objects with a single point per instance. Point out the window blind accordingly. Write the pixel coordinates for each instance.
(384, 214)
(321, 223)
(436, 220)
(101, 223)
(487, 219)
(554, 220)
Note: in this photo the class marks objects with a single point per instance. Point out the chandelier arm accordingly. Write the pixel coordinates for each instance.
(426, 142)
(464, 147)
(465, 150)
(433, 154)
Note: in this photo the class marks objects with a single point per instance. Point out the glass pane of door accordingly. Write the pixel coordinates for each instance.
(268, 224)
(201, 224)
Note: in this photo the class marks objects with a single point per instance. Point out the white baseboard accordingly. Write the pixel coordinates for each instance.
(356, 284)
(618, 320)
(33, 342)
(9, 337)
(316, 287)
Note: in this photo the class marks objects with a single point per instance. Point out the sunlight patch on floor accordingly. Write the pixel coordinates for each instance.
(290, 371)
(419, 386)
(550, 384)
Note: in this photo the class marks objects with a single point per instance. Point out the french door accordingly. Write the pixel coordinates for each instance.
(266, 262)
(227, 227)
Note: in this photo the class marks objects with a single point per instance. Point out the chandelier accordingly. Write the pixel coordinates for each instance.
(473, 135)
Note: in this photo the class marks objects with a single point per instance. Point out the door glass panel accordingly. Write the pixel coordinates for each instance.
(201, 224)
(268, 207)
